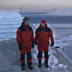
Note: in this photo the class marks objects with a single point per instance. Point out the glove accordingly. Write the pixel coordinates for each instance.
(32, 44)
(20, 46)
(52, 44)
(36, 43)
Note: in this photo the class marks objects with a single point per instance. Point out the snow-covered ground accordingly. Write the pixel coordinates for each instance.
(9, 59)
(60, 11)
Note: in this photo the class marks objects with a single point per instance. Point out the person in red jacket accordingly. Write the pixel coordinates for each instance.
(43, 33)
(25, 40)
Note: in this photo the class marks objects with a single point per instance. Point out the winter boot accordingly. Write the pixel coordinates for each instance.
(40, 65)
(23, 68)
(46, 65)
(30, 67)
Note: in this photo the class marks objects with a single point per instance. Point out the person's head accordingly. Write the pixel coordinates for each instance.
(26, 21)
(43, 23)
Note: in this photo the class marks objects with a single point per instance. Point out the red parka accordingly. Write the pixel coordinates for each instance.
(42, 36)
(25, 36)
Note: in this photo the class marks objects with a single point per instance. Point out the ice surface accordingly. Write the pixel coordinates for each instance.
(9, 22)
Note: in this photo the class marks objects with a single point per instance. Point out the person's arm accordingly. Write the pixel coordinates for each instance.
(32, 39)
(19, 36)
(32, 36)
(51, 37)
(19, 39)
(36, 37)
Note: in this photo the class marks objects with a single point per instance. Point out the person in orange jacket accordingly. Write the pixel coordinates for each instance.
(25, 40)
(43, 33)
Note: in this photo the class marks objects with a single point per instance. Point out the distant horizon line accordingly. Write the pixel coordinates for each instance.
(32, 11)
